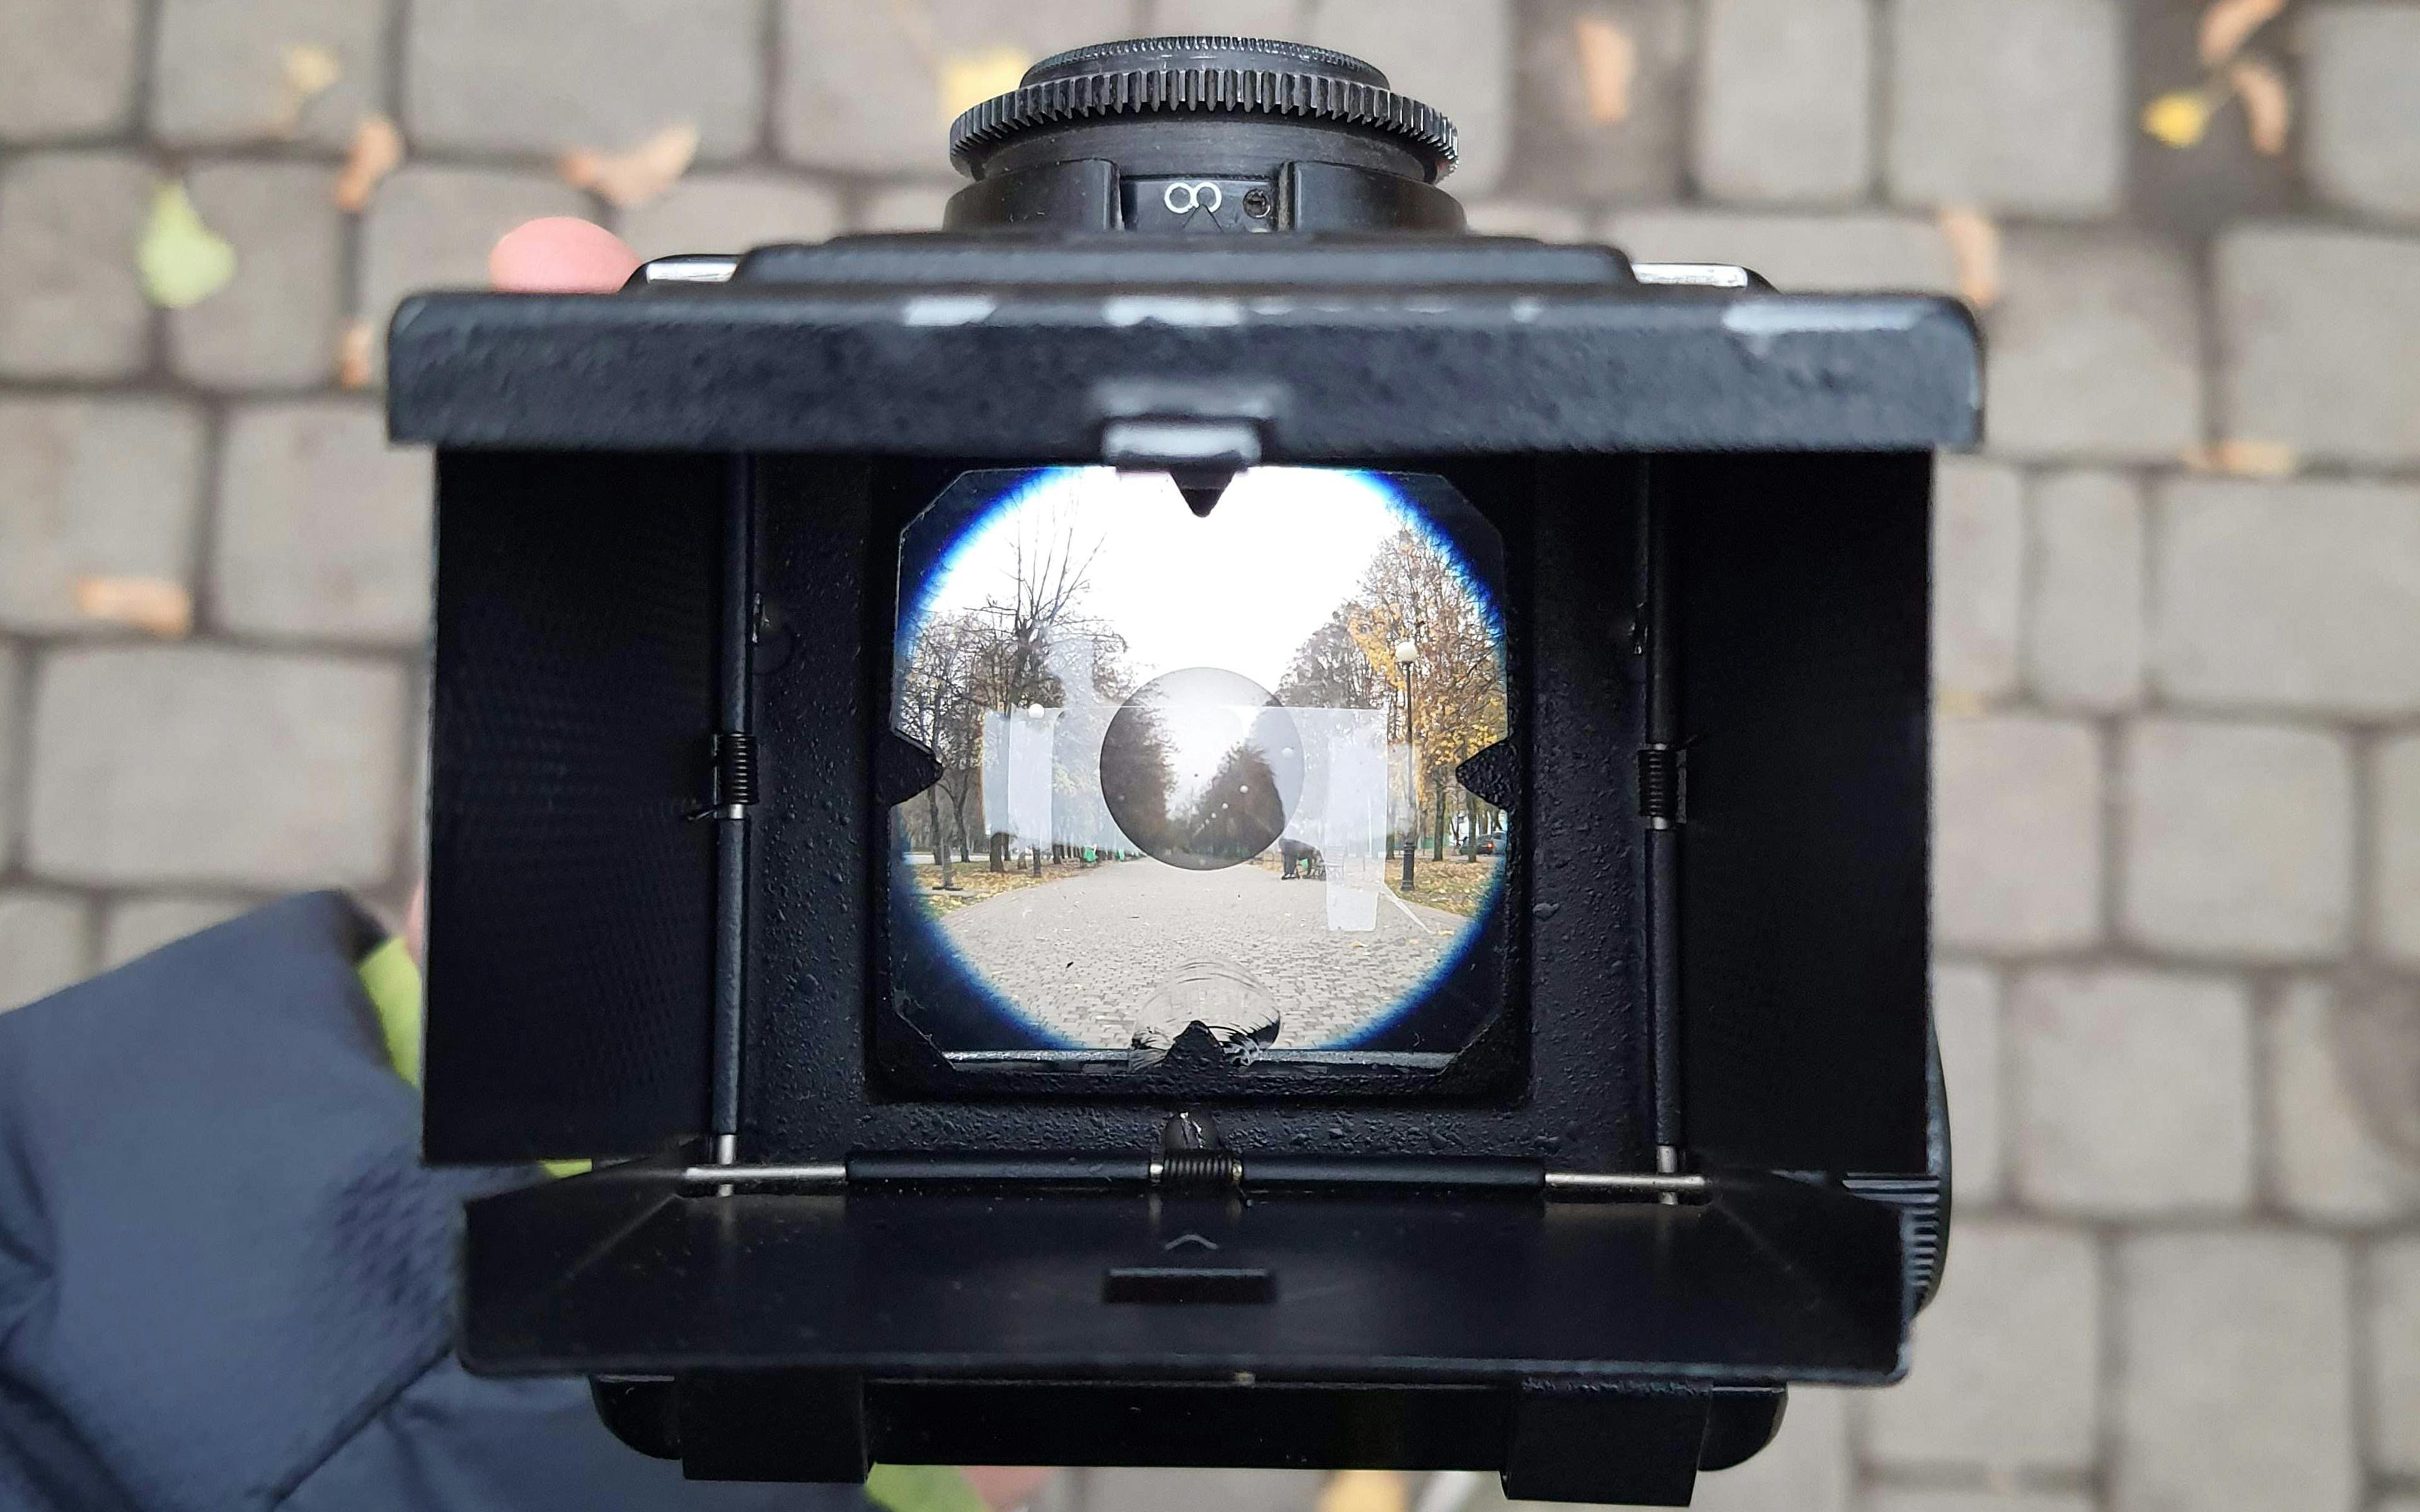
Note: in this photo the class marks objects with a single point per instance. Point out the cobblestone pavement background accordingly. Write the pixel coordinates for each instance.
(2177, 894)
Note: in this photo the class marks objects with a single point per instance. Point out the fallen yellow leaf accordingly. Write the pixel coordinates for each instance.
(354, 349)
(1973, 241)
(637, 175)
(158, 606)
(2179, 118)
(309, 71)
(2238, 458)
(1365, 1490)
(2227, 25)
(965, 80)
(183, 262)
(1608, 67)
(2268, 107)
(377, 148)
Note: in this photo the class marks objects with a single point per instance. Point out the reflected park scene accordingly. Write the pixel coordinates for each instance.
(1195, 768)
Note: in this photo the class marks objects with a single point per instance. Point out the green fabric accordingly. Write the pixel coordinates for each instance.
(922, 1488)
(391, 979)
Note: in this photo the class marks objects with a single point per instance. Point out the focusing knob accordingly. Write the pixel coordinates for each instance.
(1202, 76)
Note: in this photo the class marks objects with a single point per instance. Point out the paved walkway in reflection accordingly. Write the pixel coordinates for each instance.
(1081, 955)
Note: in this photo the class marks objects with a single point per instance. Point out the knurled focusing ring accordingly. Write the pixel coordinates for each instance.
(1229, 76)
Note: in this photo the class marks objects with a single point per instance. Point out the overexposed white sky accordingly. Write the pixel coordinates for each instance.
(1240, 590)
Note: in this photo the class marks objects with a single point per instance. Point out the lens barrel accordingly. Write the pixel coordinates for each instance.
(1204, 135)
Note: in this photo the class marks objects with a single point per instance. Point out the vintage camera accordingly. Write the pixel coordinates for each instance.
(1198, 821)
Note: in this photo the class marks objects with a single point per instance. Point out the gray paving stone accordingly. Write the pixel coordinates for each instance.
(431, 227)
(218, 69)
(1562, 151)
(2293, 595)
(549, 75)
(1807, 1468)
(1809, 253)
(1785, 101)
(859, 94)
(1979, 568)
(2376, 1032)
(1529, 218)
(2089, 1048)
(1201, 1491)
(1280, 19)
(2084, 608)
(1906, 1499)
(45, 943)
(275, 324)
(2094, 350)
(323, 529)
(1966, 1017)
(2360, 103)
(2392, 1328)
(2234, 1378)
(731, 212)
(1455, 54)
(2016, 847)
(70, 303)
(902, 207)
(92, 487)
(2328, 1164)
(2006, 1359)
(138, 926)
(196, 764)
(2394, 848)
(2318, 329)
(67, 67)
(2238, 840)
(11, 684)
(2017, 105)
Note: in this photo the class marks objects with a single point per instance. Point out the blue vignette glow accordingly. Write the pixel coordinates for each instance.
(1000, 514)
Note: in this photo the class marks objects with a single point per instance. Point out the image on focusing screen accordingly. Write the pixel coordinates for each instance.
(1181, 756)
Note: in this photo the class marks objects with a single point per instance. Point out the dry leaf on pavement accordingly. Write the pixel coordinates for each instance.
(630, 178)
(308, 72)
(377, 148)
(1973, 241)
(158, 606)
(2179, 118)
(182, 261)
(354, 349)
(1365, 1490)
(965, 80)
(2242, 458)
(2268, 107)
(2227, 25)
(1608, 67)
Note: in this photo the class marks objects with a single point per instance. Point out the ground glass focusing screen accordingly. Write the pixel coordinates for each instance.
(1176, 782)
(1198, 819)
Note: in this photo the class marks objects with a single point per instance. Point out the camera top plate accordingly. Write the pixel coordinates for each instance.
(1335, 347)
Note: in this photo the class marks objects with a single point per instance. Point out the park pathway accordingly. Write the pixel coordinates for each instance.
(1079, 956)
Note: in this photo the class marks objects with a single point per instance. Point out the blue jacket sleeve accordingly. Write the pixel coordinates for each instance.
(226, 1281)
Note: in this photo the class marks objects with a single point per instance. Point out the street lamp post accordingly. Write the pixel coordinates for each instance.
(1407, 652)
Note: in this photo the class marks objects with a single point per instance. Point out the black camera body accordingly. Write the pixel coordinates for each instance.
(1650, 1130)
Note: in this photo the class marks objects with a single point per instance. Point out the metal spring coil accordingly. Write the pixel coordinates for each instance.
(1199, 1168)
(735, 768)
(1659, 783)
